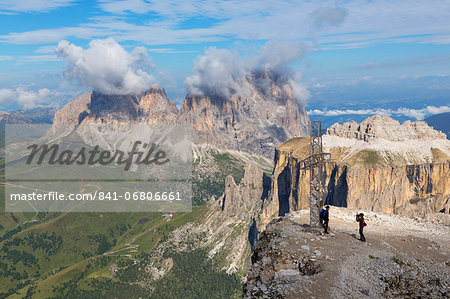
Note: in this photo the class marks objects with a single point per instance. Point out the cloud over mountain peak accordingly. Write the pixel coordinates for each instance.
(107, 67)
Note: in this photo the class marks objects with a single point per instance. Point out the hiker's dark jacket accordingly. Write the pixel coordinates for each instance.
(326, 216)
(361, 222)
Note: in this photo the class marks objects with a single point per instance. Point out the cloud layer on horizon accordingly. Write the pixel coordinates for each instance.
(26, 98)
(418, 114)
(107, 67)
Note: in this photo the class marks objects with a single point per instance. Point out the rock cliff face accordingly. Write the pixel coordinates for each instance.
(414, 190)
(149, 107)
(384, 127)
(254, 123)
(231, 221)
(244, 200)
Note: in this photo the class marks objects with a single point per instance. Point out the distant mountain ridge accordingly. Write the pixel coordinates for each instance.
(41, 115)
(440, 122)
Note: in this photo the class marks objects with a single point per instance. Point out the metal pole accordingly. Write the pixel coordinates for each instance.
(316, 169)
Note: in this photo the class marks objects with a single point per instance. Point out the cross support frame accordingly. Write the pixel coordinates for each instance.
(316, 164)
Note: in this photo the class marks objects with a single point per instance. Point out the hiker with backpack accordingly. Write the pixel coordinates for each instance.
(362, 224)
(324, 218)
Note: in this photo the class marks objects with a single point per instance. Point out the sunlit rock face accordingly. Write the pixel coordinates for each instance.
(149, 107)
(404, 169)
(254, 121)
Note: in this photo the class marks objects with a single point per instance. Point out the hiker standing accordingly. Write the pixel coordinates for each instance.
(362, 223)
(324, 218)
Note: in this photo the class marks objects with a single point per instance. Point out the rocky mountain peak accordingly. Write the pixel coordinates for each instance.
(261, 115)
(272, 84)
(151, 106)
(255, 120)
(384, 127)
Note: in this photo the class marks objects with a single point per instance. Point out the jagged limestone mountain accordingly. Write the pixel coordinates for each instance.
(405, 176)
(266, 115)
(254, 122)
(149, 107)
(404, 189)
(384, 127)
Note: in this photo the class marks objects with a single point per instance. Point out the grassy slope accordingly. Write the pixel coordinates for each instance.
(77, 229)
(209, 179)
(83, 236)
(78, 260)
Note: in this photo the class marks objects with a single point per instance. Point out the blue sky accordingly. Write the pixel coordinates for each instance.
(373, 54)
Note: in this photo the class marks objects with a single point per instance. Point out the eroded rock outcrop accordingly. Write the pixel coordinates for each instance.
(378, 165)
(384, 127)
(243, 201)
(232, 220)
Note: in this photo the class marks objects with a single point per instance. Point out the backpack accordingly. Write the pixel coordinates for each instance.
(323, 213)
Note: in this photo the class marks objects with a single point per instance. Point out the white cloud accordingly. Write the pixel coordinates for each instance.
(221, 72)
(107, 67)
(187, 9)
(26, 98)
(50, 49)
(422, 113)
(6, 95)
(275, 54)
(169, 51)
(18, 6)
(361, 23)
(217, 72)
(418, 114)
(54, 35)
(38, 58)
(123, 6)
(328, 16)
(5, 58)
